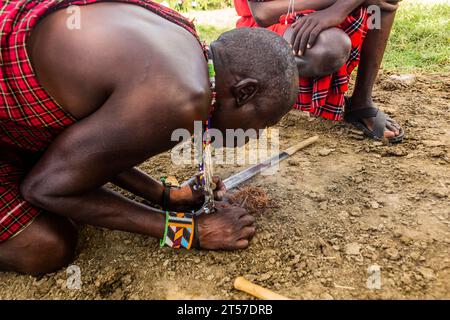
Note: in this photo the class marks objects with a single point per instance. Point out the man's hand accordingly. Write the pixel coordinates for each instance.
(385, 5)
(186, 198)
(229, 228)
(307, 28)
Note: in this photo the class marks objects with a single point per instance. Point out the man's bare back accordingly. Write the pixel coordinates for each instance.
(119, 48)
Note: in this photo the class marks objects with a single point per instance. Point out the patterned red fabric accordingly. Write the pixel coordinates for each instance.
(30, 119)
(323, 96)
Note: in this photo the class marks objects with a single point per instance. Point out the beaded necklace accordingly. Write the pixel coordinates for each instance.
(291, 10)
(206, 169)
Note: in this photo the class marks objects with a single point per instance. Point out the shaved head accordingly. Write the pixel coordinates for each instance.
(256, 79)
(265, 56)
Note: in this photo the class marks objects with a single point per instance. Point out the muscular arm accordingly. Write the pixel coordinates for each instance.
(268, 13)
(345, 7)
(140, 184)
(68, 179)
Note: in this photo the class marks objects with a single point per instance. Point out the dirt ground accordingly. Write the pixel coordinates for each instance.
(345, 204)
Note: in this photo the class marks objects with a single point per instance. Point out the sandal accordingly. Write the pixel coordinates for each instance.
(379, 118)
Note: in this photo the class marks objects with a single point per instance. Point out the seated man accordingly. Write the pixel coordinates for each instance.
(82, 107)
(327, 55)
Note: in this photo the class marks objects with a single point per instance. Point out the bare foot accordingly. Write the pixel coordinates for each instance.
(230, 228)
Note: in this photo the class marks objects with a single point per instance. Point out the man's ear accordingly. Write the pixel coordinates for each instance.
(245, 90)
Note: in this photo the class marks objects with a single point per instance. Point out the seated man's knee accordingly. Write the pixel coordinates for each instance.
(391, 6)
(51, 249)
(330, 52)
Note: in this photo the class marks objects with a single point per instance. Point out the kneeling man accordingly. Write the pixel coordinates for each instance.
(82, 107)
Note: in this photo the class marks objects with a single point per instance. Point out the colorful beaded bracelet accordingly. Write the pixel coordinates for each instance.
(179, 231)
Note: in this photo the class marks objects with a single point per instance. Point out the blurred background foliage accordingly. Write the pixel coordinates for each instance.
(188, 5)
(420, 38)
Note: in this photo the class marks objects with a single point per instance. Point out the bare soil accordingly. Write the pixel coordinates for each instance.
(342, 205)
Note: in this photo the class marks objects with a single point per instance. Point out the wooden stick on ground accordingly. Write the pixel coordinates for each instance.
(259, 292)
(294, 149)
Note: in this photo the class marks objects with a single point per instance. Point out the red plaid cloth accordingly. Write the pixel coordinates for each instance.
(15, 213)
(323, 96)
(30, 119)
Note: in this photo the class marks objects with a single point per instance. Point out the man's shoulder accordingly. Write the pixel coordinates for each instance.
(110, 35)
(148, 57)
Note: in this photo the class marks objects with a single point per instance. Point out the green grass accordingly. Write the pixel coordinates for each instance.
(209, 33)
(420, 39)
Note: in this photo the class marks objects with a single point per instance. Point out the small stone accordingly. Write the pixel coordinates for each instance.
(439, 193)
(406, 279)
(323, 206)
(355, 211)
(359, 180)
(325, 152)
(295, 261)
(407, 79)
(392, 253)
(415, 255)
(332, 187)
(61, 283)
(426, 273)
(293, 163)
(265, 276)
(357, 137)
(352, 248)
(405, 239)
(250, 277)
(374, 205)
(319, 197)
(433, 143)
(343, 215)
(127, 279)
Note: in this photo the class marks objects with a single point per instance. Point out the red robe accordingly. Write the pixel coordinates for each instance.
(323, 96)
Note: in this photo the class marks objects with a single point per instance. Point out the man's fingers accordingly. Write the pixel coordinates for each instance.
(242, 212)
(218, 195)
(297, 37)
(220, 190)
(248, 233)
(295, 34)
(296, 26)
(313, 35)
(304, 38)
(217, 180)
(242, 244)
(219, 183)
(247, 220)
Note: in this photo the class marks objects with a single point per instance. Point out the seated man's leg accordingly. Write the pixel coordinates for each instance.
(371, 58)
(330, 52)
